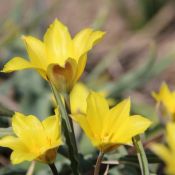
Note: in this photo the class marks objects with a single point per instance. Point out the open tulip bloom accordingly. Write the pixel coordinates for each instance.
(58, 58)
(34, 140)
(109, 128)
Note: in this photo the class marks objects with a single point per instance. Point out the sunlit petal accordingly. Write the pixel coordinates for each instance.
(85, 40)
(58, 43)
(36, 51)
(18, 63)
(78, 98)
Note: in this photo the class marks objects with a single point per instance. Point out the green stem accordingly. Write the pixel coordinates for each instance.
(53, 169)
(67, 107)
(141, 155)
(98, 163)
(68, 132)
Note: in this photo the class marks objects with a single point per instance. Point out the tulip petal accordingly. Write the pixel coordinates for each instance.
(36, 51)
(121, 123)
(81, 66)
(58, 43)
(133, 126)
(26, 127)
(118, 114)
(12, 143)
(20, 156)
(17, 63)
(81, 119)
(97, 109)
(52, 128)
(85, 40)
(137, 125)
(78, 98)
(20, 153)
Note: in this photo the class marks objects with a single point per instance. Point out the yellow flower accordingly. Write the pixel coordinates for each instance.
(34, 140)
(167, 153)
(78, 98)
(58, 58)
(109, 128)
(167, 98)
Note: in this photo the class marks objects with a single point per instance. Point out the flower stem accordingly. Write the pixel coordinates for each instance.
(68, 132)
(31, 168)
(141, 155)
(98, 163)
(53, 169)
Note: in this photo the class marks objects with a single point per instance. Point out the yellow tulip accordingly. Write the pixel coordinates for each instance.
(167, 98)
(167, 153)
(109, 128)
(34, 140)
(58, 58)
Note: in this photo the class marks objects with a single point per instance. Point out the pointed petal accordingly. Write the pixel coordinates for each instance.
(58, 42)
(27, 132)
(17, 63)
(118, 114)
(81, 119)
(52, 128)
(85, 40)
(133, 126)
(81, 66)
(122, 108)
(20, 156)
(36, 51)
(138, 125)
(97, 110)
(20, 151)
(12, 143)
(78, 98)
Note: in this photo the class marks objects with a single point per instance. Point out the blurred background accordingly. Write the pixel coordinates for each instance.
(135, 57)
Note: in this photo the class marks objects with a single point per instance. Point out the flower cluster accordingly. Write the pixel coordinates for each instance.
(61, 59)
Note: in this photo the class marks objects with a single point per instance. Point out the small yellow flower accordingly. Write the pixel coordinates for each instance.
(167, 98)
(34, 140)
(109, 128)
(58, 58)
(78, 98)
(167, 153)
